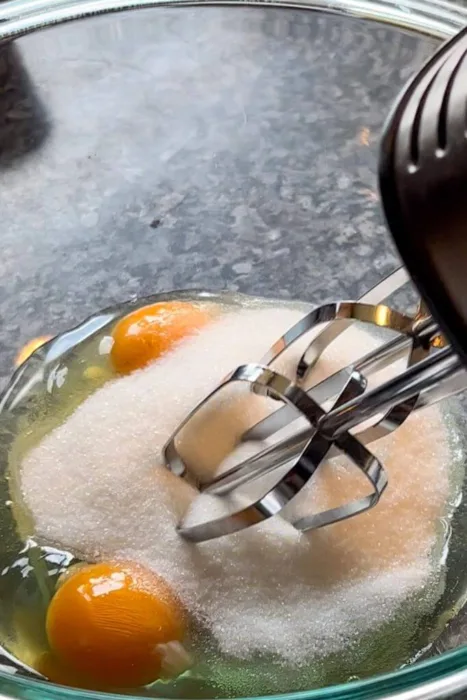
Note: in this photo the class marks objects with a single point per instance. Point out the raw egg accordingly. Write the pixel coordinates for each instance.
(111, 623)
(149, 332)
(27, 350)
(54, 670)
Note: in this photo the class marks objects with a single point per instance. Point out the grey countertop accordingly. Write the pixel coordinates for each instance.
(210, 147)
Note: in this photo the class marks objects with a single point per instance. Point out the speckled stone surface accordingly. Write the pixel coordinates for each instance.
(172, 148)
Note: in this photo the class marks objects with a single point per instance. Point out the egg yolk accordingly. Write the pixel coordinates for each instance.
(54, 670)
(149, 332)
(110, 622)
(27, 350)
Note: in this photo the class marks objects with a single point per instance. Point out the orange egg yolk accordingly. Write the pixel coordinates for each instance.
(54, 670)
(110, 622)
(27, 350)
(149, 332)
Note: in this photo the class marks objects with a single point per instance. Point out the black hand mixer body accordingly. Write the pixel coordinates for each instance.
(423, 182)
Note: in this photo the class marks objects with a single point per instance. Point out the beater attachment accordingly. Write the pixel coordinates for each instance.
(422, 178)
(328, 419)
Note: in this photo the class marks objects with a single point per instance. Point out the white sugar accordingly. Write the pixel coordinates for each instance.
(96, 486)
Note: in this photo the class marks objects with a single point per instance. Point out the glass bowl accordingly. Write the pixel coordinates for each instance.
(201, 145)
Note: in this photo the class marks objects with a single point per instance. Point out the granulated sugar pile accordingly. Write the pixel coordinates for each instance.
(96, 486)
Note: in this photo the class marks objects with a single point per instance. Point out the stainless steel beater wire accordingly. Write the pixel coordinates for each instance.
(372, 362)
(378, 359)
(331, 331)
(280, 453)
(421, 377)
(271, 501)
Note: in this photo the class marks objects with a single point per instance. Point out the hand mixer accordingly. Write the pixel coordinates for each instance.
(423, 182)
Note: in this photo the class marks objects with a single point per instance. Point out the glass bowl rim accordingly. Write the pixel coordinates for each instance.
(440, 676)
(434, 18)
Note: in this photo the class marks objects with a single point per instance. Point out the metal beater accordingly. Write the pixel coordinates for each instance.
(423, 182)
